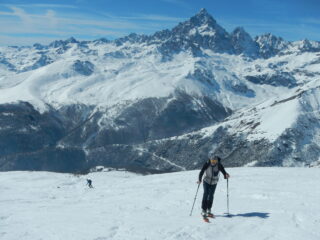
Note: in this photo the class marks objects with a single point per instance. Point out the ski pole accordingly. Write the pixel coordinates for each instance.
(228, 196)
(195, 199)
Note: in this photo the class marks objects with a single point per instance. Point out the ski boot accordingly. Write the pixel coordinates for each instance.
(204, 216)
(210, 214)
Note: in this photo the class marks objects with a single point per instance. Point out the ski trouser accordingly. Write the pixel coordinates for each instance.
(208, 193)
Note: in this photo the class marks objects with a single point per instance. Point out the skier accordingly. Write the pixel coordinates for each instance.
(89, 183)
(212, 168)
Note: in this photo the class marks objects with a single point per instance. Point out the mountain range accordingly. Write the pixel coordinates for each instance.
(161, 102)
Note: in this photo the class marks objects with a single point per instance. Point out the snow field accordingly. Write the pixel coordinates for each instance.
(265, 203)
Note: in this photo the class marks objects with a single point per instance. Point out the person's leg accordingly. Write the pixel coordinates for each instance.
(211, 192)
(205, 196)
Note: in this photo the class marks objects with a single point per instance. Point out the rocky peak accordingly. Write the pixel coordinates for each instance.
(164, 34)
(308, 46)
(38, 46)
(200, 31)
(62, 43)
(239, 32)
(243, 43)
(269, 40)
(101, 41)
(132, 38)
(71, 40)
(270, 45)
(203, 18)
(202, 22)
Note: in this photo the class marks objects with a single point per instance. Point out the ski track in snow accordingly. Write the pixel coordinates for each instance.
(265, 203)
(161, 158)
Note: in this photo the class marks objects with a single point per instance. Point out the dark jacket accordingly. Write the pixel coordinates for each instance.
(212, 172)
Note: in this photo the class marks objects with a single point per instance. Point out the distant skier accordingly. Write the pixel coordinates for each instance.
(211, 169)
(89, 183)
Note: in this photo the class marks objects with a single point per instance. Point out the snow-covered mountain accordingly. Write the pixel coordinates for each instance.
(160, 102)
(264, 203)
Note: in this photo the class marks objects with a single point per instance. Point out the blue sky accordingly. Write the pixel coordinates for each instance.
(28, 22)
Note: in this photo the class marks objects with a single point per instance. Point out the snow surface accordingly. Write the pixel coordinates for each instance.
(265, 203)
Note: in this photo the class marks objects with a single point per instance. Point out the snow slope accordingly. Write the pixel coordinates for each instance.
(265, 203)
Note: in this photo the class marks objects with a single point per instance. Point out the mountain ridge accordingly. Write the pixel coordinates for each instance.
(201, 21)
(160, 102)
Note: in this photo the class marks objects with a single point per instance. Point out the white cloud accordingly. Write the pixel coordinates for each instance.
(19, 12)
(153, 17)
(311, 20)
(51, 20)
(51, 15)
(25, 41)
(50, 23)
(46, 21)
(36, 5)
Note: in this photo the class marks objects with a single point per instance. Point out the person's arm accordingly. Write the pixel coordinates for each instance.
(205, 166)
(225, 174)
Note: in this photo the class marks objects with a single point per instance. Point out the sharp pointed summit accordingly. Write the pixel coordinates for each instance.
(204, 15)
(203, 18)
(201, 30)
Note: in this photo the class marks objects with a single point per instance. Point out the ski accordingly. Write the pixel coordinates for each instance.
(210, 215)
(206, 219)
